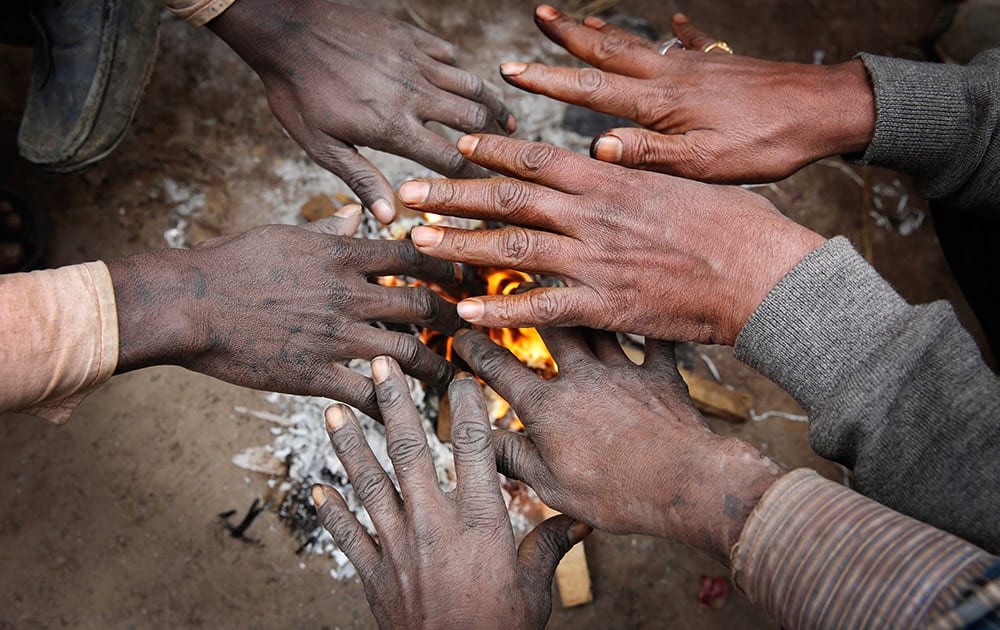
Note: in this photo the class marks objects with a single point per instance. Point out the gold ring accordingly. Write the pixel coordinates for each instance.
(721, 45)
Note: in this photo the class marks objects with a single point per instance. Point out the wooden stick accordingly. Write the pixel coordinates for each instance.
(572, 574)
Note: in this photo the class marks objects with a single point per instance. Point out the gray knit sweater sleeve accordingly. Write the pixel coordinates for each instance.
(898, 393)
(941, 125)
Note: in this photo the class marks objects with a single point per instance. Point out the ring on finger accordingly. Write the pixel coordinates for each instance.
(721, 45)
(673, 42)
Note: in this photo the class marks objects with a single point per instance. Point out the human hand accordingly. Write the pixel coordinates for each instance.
(640, 252)
(714, 117)
(278, 307)
(441, 560)
(338, 77)
(618, 445)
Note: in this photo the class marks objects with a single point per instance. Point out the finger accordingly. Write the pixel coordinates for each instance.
(542, 549)
(435, 47)
(394, 258)
(517, 457)
(344, 222)
(515, 247)
(343, 384)
(461, 114)
(598, 24)
(406, 441)
(594, 89)
(436, 153)
(472, 443)
(659, 356)
(692, 38)
(647, 150)
(568, 306)
(469, 86)
(370, 483)
(568, 346)
(415, 358)
(344, 161)
(606, 348)
(536, 162)
(412, 305)
(497, 199)
(515, 382)
(602, 50)
(347, 532)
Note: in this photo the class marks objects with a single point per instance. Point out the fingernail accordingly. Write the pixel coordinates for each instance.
(336, 417)
(608, 149)
(414, 192)
(424, 236)
(512, 68)
(471, 310)
(467, 144)
(318, 495)
(460, 375)
(546, 12)
(511, 124)
(383, 211)
(578, 531)
(680, 18)
(380, 369)
(594, 21)
(348, 211)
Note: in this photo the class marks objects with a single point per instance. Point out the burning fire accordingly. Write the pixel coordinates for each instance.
(525, 343)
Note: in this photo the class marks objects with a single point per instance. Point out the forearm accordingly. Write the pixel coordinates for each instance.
(58, 338)
(898, 393)
(941, 125)
(815, 554)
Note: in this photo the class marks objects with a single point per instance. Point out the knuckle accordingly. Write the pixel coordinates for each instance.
(473, 86)
(406, 352)
(510, 196)
(477, 118)
(407, 449)
(472, 438)
(455, 163)
(371, 486)
(409, 256)
(591, 81)
(348, 442)
(515, 244)
(546, 306)
(491, 362)
(656, 111)
(610, 47)
(484, 514)
(536, 158)
(425, 305)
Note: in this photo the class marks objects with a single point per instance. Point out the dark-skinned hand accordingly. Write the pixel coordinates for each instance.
(441, 560)
(280, 307)
(715, 117)
(339, 77)
(618, 445)
(641, 252)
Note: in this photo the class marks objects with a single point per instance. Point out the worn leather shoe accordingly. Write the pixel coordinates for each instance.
(93, 59)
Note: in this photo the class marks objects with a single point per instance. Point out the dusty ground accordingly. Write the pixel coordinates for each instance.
(113, 519)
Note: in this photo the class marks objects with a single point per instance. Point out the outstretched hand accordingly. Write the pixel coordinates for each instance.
(280, 307)
(640, 252)
(339, 77)
(618, 445)
(716, 117)
(440, 560)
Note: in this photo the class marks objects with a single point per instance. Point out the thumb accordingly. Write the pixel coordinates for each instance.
(543, 548)
(646, 150)
(344, 222)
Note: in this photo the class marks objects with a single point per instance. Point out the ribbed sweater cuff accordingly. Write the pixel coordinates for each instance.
(814, 554)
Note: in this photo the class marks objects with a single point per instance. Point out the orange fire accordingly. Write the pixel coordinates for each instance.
(525, 343)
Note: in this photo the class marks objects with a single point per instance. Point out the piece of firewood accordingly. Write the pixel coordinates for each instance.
(444, 419)
(572, 574)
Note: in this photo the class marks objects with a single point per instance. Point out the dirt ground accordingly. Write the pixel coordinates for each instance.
(112, 520)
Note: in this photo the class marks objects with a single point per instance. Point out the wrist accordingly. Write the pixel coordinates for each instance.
(156, 297)
(846, 111)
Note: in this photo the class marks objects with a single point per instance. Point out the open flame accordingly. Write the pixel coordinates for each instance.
(525, 343)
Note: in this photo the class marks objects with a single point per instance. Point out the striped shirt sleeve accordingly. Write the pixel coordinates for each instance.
(816, 554)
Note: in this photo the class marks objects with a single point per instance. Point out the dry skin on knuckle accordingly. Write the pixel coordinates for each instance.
(535, 159)
(371, 485)
(515, 245)
(510, 197)
(609, 47)
(407, 448)
(546, 306)
(425, 305)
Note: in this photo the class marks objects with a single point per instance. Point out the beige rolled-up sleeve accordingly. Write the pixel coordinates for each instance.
(198, 12)
(58, 338)
(814, 554)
